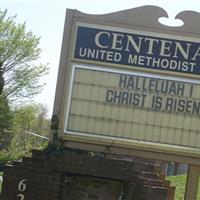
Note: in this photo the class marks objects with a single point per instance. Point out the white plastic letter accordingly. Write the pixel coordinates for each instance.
(97, 39)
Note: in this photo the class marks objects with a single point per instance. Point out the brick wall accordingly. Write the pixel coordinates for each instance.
(79, 176)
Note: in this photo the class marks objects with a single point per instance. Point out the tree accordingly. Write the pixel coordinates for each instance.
(30, 117)
(5, 114)
(20, 74)
(27, 118)
(19, 71)
(18, 142)
(5, 119)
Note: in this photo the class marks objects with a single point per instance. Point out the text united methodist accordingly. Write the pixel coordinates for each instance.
(137, 50)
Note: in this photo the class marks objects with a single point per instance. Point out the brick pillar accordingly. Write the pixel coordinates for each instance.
(31, 183)
(18, 184)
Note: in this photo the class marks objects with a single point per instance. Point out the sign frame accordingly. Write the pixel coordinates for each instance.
(67, 61)
(142, 18)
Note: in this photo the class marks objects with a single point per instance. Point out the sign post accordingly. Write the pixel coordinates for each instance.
(130, 85)
(192, 182)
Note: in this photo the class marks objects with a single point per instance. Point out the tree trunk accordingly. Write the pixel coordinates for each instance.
(2, 81)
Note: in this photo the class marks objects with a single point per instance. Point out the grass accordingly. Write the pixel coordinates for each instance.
(179, 182)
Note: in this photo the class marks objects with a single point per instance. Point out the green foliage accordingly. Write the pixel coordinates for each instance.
(179, 182)
(56, 146)
(54, 123)
(20, 146)
(32, 118)
(19, 73)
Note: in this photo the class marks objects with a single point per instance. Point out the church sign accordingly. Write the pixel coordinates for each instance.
(129, 86)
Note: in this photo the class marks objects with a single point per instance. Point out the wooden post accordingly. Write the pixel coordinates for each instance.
(192, 182)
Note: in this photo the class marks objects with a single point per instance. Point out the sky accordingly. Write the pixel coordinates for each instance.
(45, 18)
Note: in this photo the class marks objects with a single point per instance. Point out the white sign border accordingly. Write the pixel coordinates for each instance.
(111, 139)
